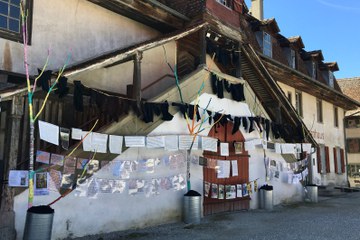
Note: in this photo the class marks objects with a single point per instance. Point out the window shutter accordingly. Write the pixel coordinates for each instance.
(342, 156)
(335, 161)
(327, 159)
(318, 160)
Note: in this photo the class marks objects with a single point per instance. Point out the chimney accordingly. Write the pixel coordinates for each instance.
(257, 9)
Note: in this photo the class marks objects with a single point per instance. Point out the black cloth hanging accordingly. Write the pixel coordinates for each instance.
(113, 107)
(267, 128)
(245, 123)
(181, 107)
(214, 83)
(251, 128)
(191, 112)
(220, 89)
(62, 88)
(164, 107)
(236, 125)
(147, 112)
(237, 92)
(210, 116)
(78, 96)
(44, 80)
(227, 86)
(275, 128)
(258, 123)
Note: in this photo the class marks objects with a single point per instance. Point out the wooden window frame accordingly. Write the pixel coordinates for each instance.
(319, 111)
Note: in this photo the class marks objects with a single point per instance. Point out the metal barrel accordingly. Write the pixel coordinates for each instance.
(39, 221)
(192, 207)
(312, 193)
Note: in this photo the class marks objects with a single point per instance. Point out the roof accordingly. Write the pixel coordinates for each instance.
(350, 87)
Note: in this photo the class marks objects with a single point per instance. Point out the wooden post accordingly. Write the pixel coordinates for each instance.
(238, 67)
(202, 43)
(137, 77)
(7, 214)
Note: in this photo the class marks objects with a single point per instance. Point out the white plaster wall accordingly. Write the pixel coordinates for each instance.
(78, 27)
(326, 133)
(79, 216)
(116, 78)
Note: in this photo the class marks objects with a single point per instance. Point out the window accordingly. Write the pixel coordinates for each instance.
(352, 122)
(10, 19)
(267, 45)
(289, 96)
(331, 79)
(292, 58)
(319, 111)
(354, 170)
(353, 145)
(323, 159)
(314, 70)
(298, 103)
(227, 3)
(336, 117)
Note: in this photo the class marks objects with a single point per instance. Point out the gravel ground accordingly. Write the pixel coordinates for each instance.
(332, 218)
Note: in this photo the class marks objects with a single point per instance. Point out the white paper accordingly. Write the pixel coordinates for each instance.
(238, 190)
(224, 149)
(76, 133)
(278, 148)
(134, 141)
(115, 144)
(288, 148)
(209, 144)
(99, 142)
(18, 178)
(49, 132)
(155, 141)
(223, 169)
(185, 142)
(171, 143)
(87, 146)
(234, 165)
(307, 147)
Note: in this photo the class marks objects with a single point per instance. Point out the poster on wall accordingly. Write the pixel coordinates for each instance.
(214, 190)
(221, 191)
(230, 191)
(207, 189)
(239, 190)
(42, 157)
(18, 178)
(41, 186)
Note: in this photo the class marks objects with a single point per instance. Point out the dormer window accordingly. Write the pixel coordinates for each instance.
(331, 79)
(227, 3)
(314, 70)
(292, 59)
(267, 44)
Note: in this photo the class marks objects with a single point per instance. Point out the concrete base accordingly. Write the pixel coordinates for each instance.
(7, 225)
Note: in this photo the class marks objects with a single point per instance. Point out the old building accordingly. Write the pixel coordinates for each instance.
(164, 71)
(350, 87)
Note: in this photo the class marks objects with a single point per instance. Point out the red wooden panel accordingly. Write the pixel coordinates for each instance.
(211, 205)
(327, 159)
(342, 156)
(319, 164)
(335, 160)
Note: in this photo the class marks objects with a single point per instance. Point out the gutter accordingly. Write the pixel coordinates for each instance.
(170, 10)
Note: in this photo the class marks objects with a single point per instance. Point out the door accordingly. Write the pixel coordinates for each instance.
(213, 205)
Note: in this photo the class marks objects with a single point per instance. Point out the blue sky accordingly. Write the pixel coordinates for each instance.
(332, 26)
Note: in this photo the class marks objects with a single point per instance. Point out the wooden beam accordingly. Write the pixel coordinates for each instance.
(137, 77)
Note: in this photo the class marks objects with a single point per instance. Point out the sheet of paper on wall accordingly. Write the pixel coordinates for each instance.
(288, 148)
(239, 190)
(224, 149)
(99, 142)
(18, 178)
(118, 186)
(245, 190)
(214, 191)
(234, 165)
(41, 186)
(230, 191)
(93, 188)
(69, 165)
(187, 141)
(64, 138)
(42, 157)
(221, 191)
(307, 147)
(87, 145)
(57, 159)
(76, 133)
(135, 141)
(105, 185)
(49, 132)
(207, 186)
(278, 148)
(171, 143)
(115, 144)
(209, 144)
(223, 169)
(55, 180)
(155, 141)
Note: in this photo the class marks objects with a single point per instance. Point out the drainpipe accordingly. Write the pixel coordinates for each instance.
(346, 148)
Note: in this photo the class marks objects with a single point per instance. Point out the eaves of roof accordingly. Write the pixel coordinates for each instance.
(302, 82)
